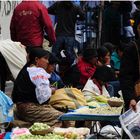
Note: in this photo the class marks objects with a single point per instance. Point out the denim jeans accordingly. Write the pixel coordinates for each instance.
(116, 87)
(67, 43)
(110, 90)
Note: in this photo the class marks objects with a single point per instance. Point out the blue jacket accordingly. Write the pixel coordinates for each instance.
(115, 61)
(56, 78)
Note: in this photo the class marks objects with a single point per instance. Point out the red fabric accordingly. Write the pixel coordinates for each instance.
(29, 20)
(86, 70)
(2, 135)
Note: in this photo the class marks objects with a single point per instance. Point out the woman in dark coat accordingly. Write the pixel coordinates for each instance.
(129, 74)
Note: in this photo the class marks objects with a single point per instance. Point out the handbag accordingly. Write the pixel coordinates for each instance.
(137, 83)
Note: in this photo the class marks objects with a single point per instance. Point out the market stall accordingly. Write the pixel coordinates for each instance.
(107, 114)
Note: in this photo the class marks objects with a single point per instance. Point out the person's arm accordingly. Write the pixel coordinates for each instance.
(52, 9)
(12, 28)
(47, 23)
(133, 104)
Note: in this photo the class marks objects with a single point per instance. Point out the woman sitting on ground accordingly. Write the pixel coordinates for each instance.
(31, 92)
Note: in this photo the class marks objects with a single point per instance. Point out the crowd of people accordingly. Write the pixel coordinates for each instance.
(114, 65)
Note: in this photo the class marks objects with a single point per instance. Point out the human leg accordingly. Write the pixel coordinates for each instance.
(58, 45)
(70, 44)
(116, 87)
(31, 112)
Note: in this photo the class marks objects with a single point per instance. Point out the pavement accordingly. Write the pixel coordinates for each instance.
(9, 88)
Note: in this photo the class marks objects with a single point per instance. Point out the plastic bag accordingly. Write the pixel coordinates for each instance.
(6, 105)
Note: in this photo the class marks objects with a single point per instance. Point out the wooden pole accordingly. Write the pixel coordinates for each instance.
(100, 24)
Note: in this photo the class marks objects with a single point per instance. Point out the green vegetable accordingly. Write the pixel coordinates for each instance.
(48, 136)
(39, 126)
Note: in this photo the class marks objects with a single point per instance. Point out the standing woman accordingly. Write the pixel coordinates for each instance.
(129, 73)
(31, 92)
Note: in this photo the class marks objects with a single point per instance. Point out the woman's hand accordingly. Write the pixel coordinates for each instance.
(107, 60)
(133, 104)
(99, 63)
(53, 89)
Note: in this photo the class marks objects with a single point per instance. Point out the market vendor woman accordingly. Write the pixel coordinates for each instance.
(31, 92)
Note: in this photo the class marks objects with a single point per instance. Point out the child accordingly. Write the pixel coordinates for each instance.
(87, 64)
(97, 84)
(55, 79)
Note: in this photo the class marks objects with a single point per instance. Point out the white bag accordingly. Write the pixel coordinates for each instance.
(15, 55)
(40, 77)
(90, 89)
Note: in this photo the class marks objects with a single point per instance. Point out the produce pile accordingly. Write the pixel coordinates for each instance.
(104, 110)
(48, 136)
(98, 101)
(100, 106)
(57, 133)
(39, 126)
(115, 99)
(72, 133)
(24, 133)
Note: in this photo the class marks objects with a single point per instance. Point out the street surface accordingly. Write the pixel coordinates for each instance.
(8, 88)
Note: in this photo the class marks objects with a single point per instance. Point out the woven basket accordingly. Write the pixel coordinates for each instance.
(115, 103)
(42, 132)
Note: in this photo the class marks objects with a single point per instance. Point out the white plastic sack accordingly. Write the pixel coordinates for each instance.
(15, 55)
(110, 132)
(91, 89)
(40, 77)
